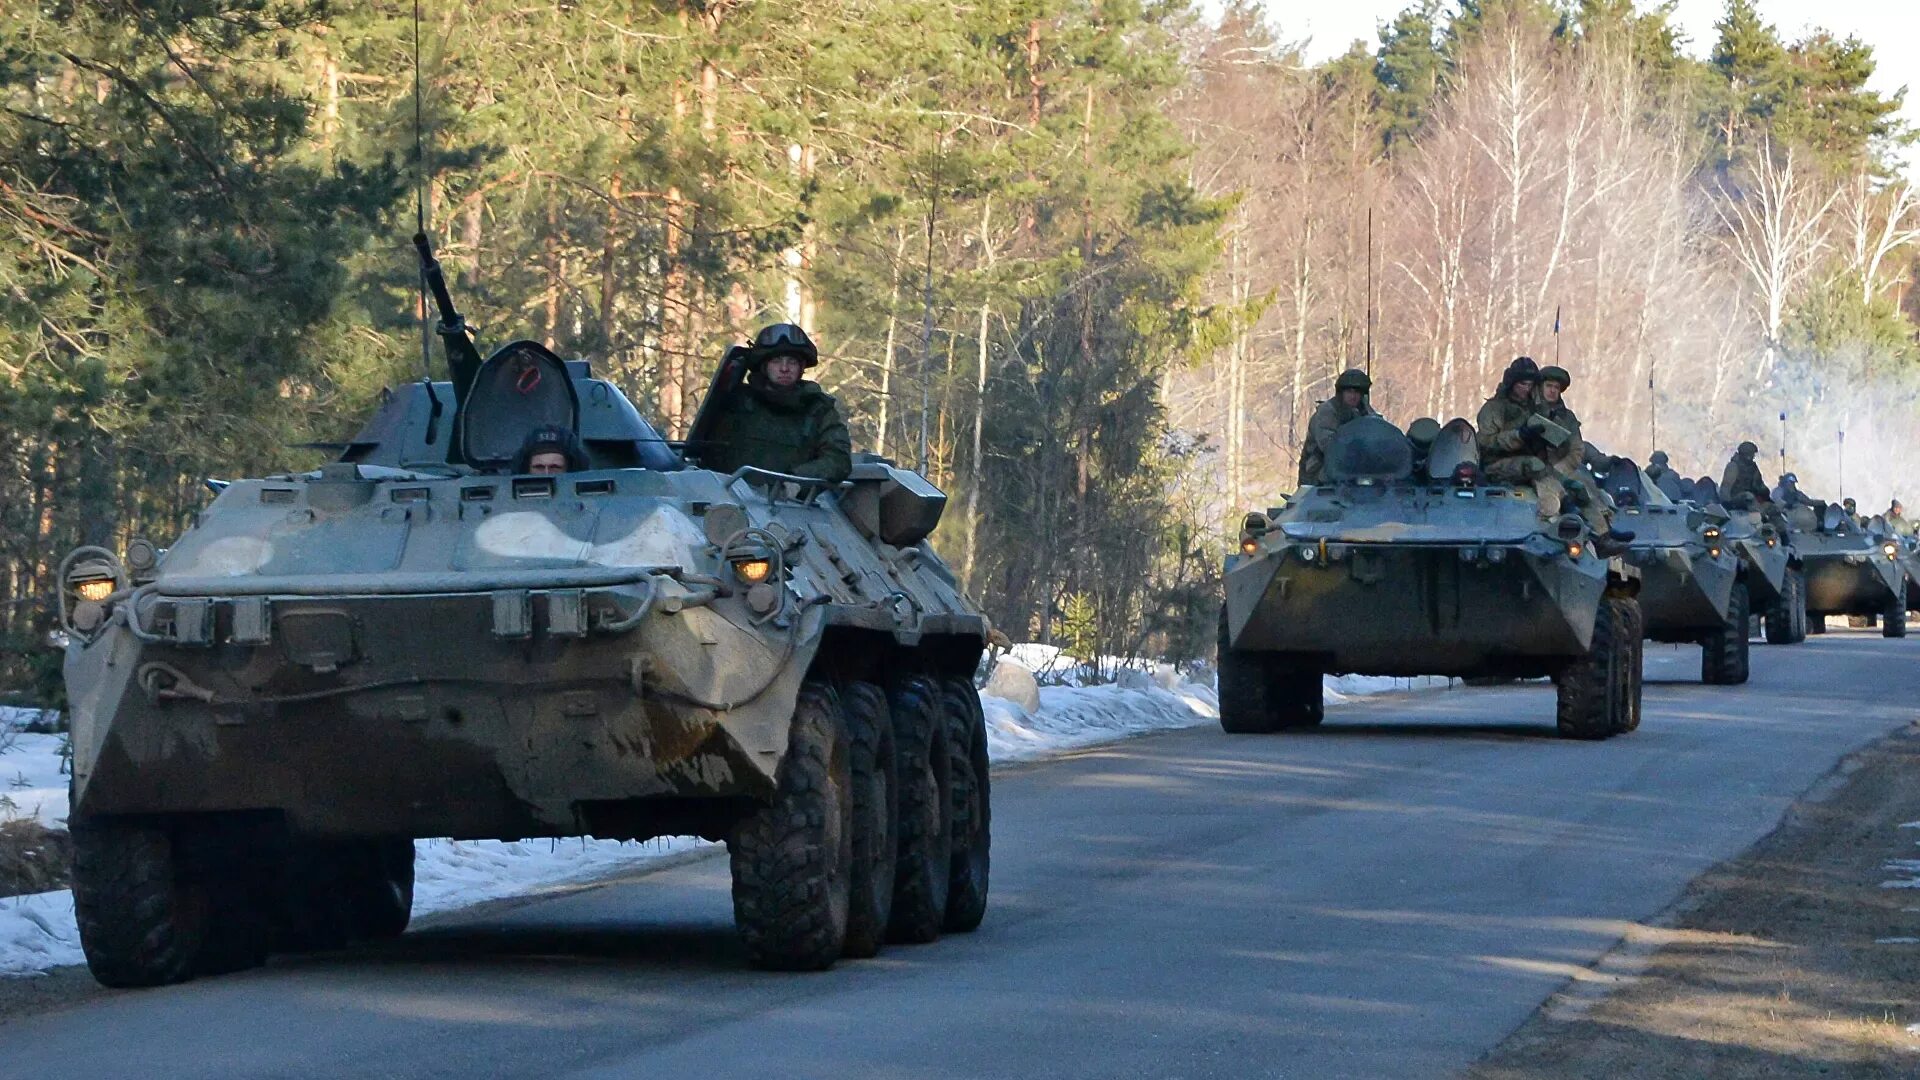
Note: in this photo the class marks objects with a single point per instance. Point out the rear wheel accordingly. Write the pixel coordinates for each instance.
(925, 820)
(1786, 620)
(875, 810)
(1265, 692)
(1593, 691)
(142, 917)
(972, 806)
(1816, 623)
(1724, 654)
(792, 857)
(378, 887)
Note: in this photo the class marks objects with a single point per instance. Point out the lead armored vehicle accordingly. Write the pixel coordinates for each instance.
(1694, 586)
(1850, 569)
(414, 641)
(1402, 562)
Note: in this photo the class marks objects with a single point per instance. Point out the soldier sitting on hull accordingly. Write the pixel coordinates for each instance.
(550, 450)
(1896, 517)
(777, 420)
(1507, 431)
(1568, 460)
(1348, 403)
(1741, 485)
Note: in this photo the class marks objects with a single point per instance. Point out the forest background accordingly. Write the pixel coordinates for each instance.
(1089, 263)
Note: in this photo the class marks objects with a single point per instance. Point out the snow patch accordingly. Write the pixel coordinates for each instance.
(33, 779)
(451, 874)
(37, 932)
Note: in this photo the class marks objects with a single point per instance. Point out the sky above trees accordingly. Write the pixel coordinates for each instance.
(1892, 27)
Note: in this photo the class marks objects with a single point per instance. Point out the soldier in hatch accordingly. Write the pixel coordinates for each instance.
(549, 450)
(1349, 402)
(1741, 485)
(777, 420)
(1657, 467)
(1896, 517)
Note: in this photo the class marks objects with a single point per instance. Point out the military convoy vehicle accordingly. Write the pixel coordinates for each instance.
(411, 641)
(1694, 585)
(1403, 562)
(1850, 569)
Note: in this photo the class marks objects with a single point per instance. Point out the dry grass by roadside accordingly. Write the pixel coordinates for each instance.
(33, 858)
(1785, 961)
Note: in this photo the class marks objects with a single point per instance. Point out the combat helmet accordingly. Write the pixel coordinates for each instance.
(783, 339)
(1353, 379)
(1658, 457)
(1556, 373)
(1747, 449)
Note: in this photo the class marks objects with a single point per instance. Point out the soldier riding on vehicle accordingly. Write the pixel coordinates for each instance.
(1741, 485)
(777, 420)
(1348, 403)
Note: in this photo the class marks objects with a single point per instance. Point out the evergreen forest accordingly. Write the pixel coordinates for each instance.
(1087, 263)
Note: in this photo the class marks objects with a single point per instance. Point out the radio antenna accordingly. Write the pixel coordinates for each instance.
(420, 195)
(1369, 292)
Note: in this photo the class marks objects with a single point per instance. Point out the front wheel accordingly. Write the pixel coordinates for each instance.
(876, 789)
(1786, 621)
(1894, 623)
(1724, 654)
(1593, 691)
(142, 917)
(792, 858)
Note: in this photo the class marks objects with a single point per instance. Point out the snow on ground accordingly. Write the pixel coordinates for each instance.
(38, 933)
(33, 780)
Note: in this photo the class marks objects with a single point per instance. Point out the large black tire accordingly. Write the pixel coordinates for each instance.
(234, 867)
(379, 890)
(925, 820)
(1724, 654)
(312, 912)
(1261, 693)
(792, 858)
(1816, 623)
(876, 793)
(142, 917)
(1894, 622)
(1592, 690)
(1786, 620)
(1633, 634)
(972, 801)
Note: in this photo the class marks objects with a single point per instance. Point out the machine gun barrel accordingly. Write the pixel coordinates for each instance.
(463, 360)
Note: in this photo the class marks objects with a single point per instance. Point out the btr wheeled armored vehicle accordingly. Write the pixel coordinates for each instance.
(1403, 562)
(1850, 569)
(1695, 586)
(415, 641)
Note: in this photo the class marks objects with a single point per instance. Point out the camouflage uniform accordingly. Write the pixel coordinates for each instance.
(795, 429)
(1741, 485)
(1569, 460)
(1327, 419)
(1507, 454)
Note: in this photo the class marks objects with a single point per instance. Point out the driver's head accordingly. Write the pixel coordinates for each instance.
(549, 450)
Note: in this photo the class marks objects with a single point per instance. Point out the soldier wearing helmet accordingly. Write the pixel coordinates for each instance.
(1741, 485)
(1511, 451)
(1657, 467)
(1896, 518)
(1349, 402)
(1568, 460)
(777, 420)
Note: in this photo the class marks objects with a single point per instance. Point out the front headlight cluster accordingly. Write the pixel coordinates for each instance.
(90, 577)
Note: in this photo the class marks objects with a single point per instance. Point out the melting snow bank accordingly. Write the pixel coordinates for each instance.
(37, 932)
(33, 779)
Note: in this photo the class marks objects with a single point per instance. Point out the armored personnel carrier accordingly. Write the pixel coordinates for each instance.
(1850, 570)
(415, 641)
(1403, 562)
(1694, 585)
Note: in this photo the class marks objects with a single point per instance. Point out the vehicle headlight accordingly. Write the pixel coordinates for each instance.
(94, 589)
(752, 570)
(1249, 545)
(1575, 549)
(1891, 549)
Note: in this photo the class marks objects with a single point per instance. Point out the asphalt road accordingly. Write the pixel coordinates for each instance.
(1386, 897)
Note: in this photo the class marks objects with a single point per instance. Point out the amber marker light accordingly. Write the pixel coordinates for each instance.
(96, 590)
(753, 571)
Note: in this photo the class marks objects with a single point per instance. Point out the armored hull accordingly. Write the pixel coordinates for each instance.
(329, 664)
(1398, 567)
(1849, 574)
(1462, 609)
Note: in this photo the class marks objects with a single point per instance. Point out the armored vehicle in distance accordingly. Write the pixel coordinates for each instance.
(1694, 587)
(1402, 562)
(413, 641)
(1850, 570)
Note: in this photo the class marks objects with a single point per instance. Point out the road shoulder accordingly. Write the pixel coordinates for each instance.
(1795, 958)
